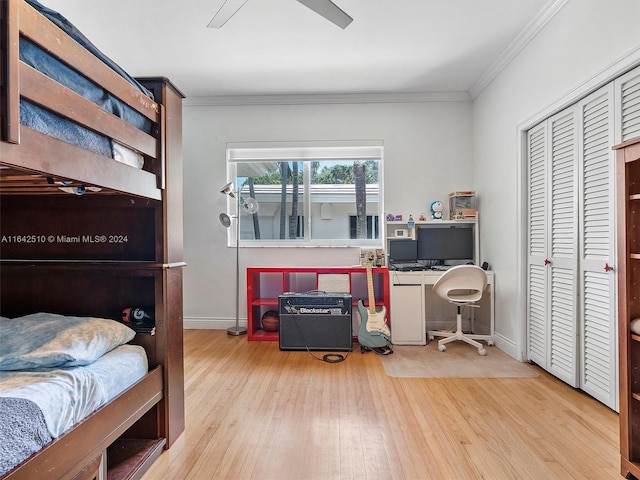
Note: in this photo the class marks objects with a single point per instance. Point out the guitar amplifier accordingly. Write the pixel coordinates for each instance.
(315, 321)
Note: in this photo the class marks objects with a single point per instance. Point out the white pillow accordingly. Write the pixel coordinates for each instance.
(45, 340)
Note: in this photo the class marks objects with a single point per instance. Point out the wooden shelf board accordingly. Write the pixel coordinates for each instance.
(261, 335)
(631, 467)
(269, 302)
(355, 301)
(129, 458)
(89, 264)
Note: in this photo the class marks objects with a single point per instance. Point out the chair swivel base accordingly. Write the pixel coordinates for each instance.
(460, 335)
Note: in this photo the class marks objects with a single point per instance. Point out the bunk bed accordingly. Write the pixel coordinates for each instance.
(91, 208)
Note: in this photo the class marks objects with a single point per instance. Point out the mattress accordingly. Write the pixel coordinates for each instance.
(63, 397)
(67, 395)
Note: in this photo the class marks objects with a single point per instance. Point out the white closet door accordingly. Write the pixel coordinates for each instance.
(537, 233)
(571, 309)
(627, 91)
(598, 359)
(562, 353)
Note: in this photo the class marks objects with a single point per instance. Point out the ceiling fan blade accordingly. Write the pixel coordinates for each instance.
(226, 11)
(329, 10)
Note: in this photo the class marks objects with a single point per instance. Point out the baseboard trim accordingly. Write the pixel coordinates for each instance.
(194, 323)
(208, 323)
(507, 346)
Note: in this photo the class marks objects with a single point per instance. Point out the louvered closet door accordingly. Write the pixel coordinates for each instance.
(537, 233)
(571, 305)
(562, 353)
(598, 332)
(627, 97)
(553, 246)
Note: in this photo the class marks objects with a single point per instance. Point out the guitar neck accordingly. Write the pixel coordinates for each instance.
(372, 298)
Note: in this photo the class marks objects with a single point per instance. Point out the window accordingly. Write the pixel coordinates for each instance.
(309, 194)
(372, 226)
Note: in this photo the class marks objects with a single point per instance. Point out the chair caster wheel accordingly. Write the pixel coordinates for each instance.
(482, 351)
(442, 348)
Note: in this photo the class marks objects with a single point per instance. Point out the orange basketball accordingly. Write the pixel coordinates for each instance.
(270, 321)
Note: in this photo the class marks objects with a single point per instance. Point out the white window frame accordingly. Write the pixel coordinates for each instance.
(306, 152)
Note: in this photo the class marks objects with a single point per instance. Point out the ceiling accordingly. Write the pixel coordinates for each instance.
(280, 47)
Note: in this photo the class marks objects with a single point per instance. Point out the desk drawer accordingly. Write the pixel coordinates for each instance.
(405, 278)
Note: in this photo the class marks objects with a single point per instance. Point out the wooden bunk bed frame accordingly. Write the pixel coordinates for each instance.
(27, 149)
(44, 268)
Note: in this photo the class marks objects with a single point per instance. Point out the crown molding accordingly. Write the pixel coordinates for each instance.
(548, 11)
(529, 32)
(400, 97)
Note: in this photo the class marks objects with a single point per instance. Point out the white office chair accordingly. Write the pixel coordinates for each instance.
(463, 286)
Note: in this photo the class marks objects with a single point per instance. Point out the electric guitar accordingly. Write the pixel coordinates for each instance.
(375, 321)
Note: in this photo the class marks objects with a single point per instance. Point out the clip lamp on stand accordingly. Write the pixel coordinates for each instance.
(250, 206)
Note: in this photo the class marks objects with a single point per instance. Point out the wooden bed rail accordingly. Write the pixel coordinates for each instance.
(47, 93)
(9, 81)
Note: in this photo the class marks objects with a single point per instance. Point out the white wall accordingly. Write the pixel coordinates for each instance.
(583, 45)
(427, 154)
(431, 148)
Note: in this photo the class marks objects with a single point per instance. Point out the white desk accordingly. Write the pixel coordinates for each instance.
(413, 308)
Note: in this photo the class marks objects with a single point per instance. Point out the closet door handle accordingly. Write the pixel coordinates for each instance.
(607, 268)
(547, 261)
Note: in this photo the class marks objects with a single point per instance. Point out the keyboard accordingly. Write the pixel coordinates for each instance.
(441, 268)
(408, 266)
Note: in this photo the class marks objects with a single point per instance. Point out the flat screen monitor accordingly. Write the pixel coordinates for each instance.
(445, 242)
(403, 250)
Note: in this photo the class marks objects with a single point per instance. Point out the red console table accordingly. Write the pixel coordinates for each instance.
(265, 284)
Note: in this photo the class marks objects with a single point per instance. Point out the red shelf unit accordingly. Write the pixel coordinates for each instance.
(265, 284)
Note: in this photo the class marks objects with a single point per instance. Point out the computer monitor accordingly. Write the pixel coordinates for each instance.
(442, 243)
(404, 250)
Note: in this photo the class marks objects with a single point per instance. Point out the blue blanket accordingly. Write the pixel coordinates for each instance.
(74, 33)
(44, 121)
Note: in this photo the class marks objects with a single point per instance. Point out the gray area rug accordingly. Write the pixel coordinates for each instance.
(460, 360)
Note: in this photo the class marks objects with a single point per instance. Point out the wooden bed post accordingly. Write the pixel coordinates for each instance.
(10, 80)
(170, 253)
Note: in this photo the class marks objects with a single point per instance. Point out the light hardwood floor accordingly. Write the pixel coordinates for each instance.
(254, 412)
